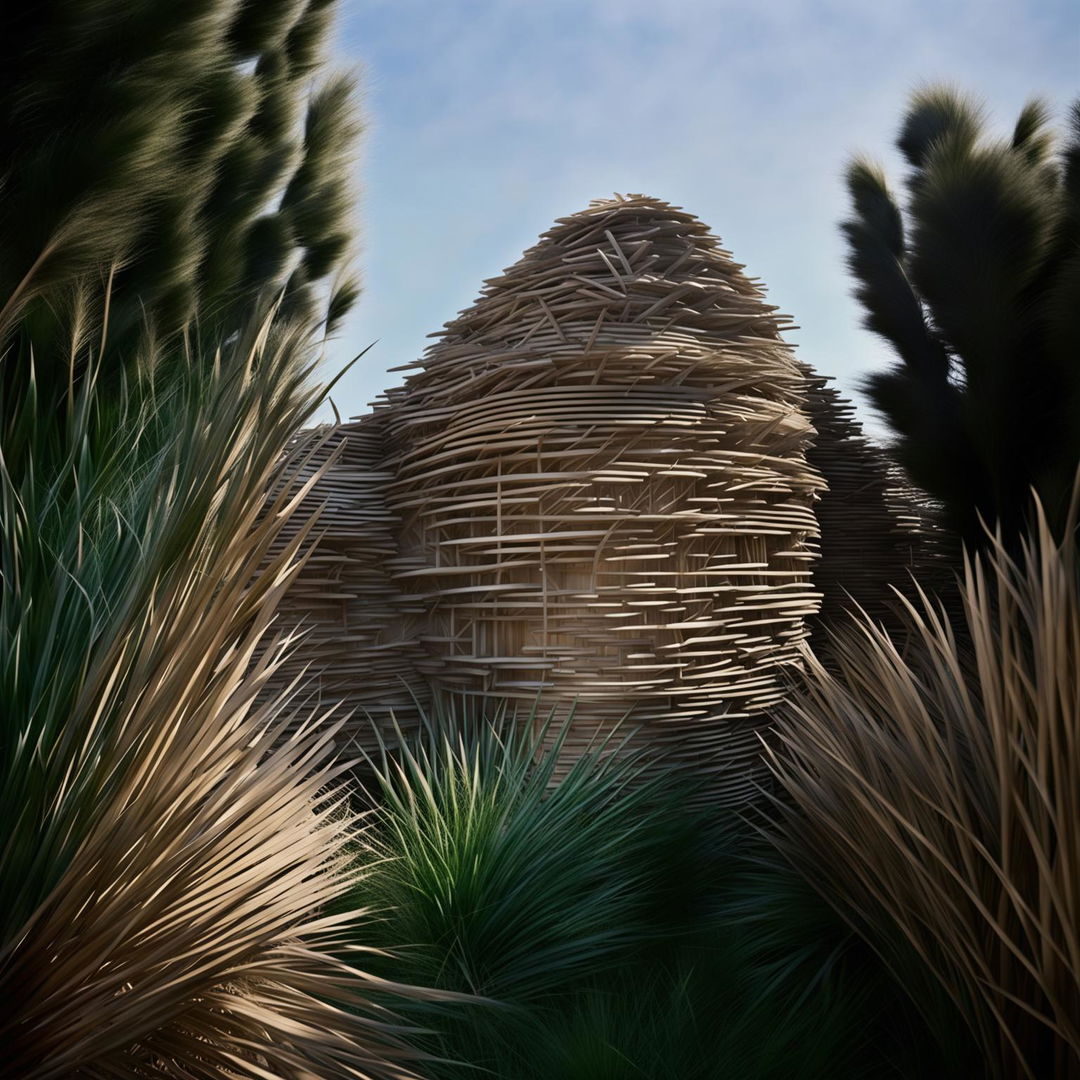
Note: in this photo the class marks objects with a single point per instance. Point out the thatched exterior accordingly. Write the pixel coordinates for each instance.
(601, 478)
(876, 535)
(601, 486)
(360, 629)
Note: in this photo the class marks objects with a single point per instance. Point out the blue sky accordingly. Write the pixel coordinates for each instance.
(487, 119)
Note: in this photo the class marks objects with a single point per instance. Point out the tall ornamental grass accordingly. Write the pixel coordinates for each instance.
(172, 841)
(935, 795)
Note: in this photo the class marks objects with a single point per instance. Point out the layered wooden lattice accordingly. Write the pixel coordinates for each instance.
(359, 647)
(600, 479)
(600, 486)
(878, 535)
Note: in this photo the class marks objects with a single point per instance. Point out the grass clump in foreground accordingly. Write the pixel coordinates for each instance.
(172, 836)
(935, 798)
(611, 932)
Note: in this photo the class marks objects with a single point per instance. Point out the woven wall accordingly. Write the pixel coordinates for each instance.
(876, 536)
(360, 630)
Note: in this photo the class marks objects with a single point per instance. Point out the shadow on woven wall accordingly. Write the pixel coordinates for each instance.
(602, 485)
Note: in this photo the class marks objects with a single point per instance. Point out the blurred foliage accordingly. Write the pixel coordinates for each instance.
(974, 281)
(187, 154)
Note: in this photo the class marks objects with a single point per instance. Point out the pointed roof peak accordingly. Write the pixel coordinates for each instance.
(630, 274)
(629, 201)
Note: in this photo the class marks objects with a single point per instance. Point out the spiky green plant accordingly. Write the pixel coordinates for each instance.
(182, 144)
(615, 932)
(172, 840)
(507, 883)
(973, 282)
(935, 796)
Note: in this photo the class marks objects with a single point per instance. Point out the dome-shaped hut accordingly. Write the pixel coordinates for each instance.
(601, 480)
(357, 648)
(603, 486)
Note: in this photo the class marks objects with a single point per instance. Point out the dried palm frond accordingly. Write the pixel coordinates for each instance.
(173, 838)
(935, 793)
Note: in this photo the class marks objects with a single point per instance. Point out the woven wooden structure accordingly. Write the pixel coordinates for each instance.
(602, 486)
(875, 536)
(600, 473)
(360, 631)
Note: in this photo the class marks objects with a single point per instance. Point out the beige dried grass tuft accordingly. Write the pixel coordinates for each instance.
(185, 935)
(935, 793)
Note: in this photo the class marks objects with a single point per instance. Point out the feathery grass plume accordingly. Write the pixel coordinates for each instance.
(172, 842)
(935, 794)
(973, 283)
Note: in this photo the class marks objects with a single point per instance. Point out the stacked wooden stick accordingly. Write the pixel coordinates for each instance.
(604, 499)
(360, 630)
(877, 536)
